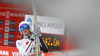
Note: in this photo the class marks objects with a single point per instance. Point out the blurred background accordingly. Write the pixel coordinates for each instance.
(82, 18)
(82, 25)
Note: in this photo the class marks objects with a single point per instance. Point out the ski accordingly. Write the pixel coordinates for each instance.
(37, 47)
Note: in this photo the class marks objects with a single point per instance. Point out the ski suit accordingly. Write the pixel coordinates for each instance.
(26, 46)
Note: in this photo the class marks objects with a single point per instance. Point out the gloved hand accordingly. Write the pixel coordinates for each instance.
(37, 32)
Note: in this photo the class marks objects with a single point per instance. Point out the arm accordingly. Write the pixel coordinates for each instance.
(24, 50)
(43, 45)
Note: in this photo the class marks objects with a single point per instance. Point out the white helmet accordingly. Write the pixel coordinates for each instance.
(23, 22)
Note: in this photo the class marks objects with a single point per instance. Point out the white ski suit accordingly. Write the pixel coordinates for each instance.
(26, 46)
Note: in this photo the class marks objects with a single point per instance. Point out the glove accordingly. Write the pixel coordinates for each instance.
(37, 32)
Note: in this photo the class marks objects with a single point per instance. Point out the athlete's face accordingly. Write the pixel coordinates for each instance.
(26, 32)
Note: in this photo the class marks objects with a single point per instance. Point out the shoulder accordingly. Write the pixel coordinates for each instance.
(20, 40)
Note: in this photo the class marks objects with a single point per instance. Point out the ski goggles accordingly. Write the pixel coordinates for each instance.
(24, 26)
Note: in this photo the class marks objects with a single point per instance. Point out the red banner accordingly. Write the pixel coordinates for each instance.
(10, 51)
(12, 12)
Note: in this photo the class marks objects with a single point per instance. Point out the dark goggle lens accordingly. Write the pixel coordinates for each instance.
(24, 26)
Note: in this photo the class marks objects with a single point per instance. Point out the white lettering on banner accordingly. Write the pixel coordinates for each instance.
(7, 14)
(12, 8)
(4, 52)
(16, 54)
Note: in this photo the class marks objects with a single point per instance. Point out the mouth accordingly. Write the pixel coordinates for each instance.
(25, 31)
